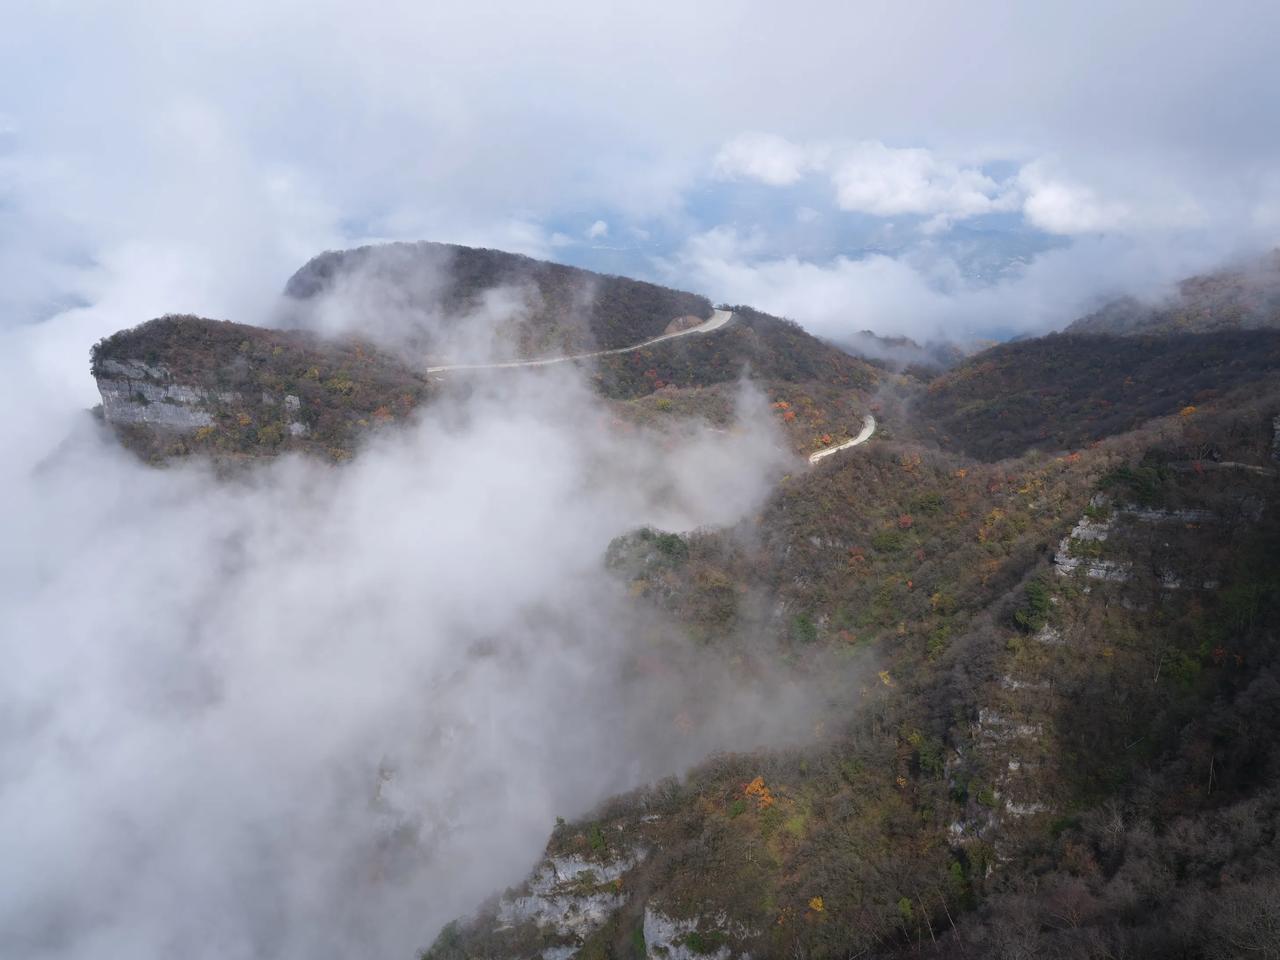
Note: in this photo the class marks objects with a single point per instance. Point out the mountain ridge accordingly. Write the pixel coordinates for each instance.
(1053, 567)
(1245, 297)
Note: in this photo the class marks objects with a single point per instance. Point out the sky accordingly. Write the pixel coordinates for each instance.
(935, 169)
(317, 712)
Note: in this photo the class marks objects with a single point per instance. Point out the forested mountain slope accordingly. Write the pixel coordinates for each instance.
(182, 385)
(1064, 738)
(1064, 391)
(1243, 298)
(544, 308)
(1037, 615)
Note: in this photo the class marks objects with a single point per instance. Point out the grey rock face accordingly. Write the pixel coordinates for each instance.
(667, 938)
(173, 406)
(135, 392)
(570, 895)
(135, 369)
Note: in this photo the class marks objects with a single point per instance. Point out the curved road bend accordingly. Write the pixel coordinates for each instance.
(717, 320)
(868, 428)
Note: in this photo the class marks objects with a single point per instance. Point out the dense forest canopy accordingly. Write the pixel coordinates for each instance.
(1067, 390)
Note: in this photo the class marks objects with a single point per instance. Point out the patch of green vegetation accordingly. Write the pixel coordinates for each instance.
(1086, 549)
(595, 837)
(938, 640)
(1034, 612)
(1145, 485)
(1098, 512)
(803, 629)
(928, 502)
(704, 942)
(887, 541)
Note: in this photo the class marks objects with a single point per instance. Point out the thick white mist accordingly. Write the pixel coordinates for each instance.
(319, 711)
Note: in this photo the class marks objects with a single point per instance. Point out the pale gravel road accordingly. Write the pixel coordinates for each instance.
(717, 320)
(868, 428)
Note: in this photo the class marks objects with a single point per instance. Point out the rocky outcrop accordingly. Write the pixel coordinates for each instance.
(1089, 531)
(569, 896)
(705, 938)
(138, 393)
(134, 392)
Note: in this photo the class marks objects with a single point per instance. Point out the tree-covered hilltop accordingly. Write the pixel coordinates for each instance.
(343, 388)
(247, 391)
(561, 309)
(1243, 298)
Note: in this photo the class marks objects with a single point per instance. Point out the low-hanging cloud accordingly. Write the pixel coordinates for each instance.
(318, 712)
(927, 296)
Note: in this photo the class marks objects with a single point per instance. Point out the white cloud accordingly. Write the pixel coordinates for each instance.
(927, 296)
(884, 181)
(598, 230)
(1063, 207)
(309, 712)
(767, 158)
(873, 178)
(868, 176)
(1125, 200)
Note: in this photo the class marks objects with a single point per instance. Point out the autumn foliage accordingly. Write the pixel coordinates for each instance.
(757, 789)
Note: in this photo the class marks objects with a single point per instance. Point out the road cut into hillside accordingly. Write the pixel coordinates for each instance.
(717, 320)
(868, 428)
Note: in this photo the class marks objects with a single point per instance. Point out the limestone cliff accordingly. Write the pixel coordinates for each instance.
(180, 385)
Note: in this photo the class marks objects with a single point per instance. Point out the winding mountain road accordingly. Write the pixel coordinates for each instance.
(717, 320)
(868, 428)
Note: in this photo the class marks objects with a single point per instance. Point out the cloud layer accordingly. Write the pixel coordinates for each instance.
(317, 712)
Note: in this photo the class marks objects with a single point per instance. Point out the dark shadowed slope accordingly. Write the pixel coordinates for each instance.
(1064, 391)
